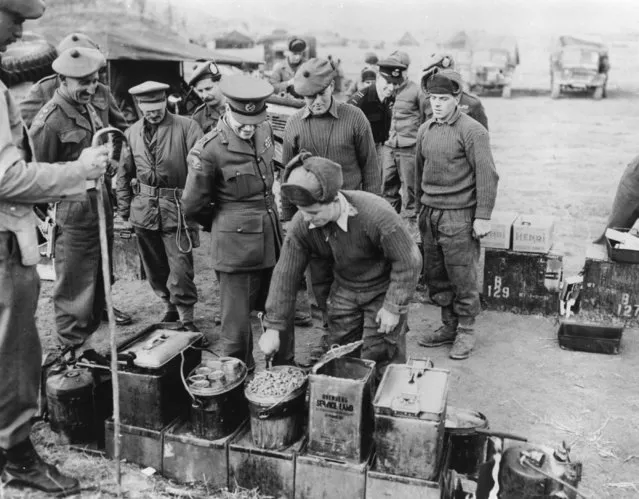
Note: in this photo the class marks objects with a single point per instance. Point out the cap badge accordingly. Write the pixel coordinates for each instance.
(250, 107)
(395, 73)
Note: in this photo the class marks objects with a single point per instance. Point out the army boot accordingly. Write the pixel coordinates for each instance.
(25, 468)
(445, 334)
(465, 340)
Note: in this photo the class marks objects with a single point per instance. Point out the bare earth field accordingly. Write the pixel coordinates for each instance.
(561, 158)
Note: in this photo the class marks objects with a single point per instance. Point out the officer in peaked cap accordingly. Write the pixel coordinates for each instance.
(377, 100)
(23, 183)
(469, 103)
(60, 131)
(205, 82)
(232, 167)
(284, 71)
(103, 100)
(149, 188)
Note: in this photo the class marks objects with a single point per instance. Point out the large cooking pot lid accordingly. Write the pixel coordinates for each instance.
(154, 350)
(215, 377)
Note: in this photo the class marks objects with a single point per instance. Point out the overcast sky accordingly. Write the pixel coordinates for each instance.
(397, 16)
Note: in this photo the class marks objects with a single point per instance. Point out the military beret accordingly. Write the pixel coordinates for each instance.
(368, 74)
(75, 40)
(391, 69)
(371, 58)
(401, 56)
(246, 97)
(296, 45)
(78, 62)
(313, 76)
(27, 9)
(311, 179)
(441, 61)
(205, 70)
(149, 91)
(441, 84)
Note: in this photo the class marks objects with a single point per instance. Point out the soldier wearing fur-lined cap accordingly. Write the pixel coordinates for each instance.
(282, 77)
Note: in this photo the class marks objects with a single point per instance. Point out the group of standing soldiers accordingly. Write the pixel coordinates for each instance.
(217, 171)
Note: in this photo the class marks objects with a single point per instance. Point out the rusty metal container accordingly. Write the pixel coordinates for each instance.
(277, 422)
(321, 478)
(140, 446)
(410, 410)
(467, 447)
(152, 394)
(340, 422)
(188, 458)
(270, 471)
(71, 405)
(218, 404)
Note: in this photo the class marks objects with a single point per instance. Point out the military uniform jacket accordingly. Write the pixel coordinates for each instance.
(163, 167)
(282, 73)
(25, 184)
(59, 132)
(207, 117)
(237, 176)
(42, 92)
(378, 113)
(468, 104)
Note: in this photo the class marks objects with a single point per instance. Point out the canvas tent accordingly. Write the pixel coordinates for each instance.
(408, 40)
(234, 40)
(136, 50)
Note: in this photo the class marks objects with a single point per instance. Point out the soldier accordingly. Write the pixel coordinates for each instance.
(102, 100)
(456, 189)
(24, 183)
(375, 261)
(334, 130)
(205, 82)
(370, 64)
(232, 167)
(398, 153)
(468, 103)
(149, 188)
(60, 131)
(376, 101)
(283, 73)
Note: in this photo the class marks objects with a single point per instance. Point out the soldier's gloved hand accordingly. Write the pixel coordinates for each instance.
(387, 320)
(93, 161)
(270, 342)
(480, 228)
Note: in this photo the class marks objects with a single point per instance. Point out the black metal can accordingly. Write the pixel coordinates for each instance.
(71, 405)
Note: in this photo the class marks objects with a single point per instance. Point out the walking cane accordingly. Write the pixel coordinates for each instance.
(110, 133)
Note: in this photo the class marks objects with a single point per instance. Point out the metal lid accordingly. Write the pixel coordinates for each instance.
(230, 374)
(160, 346)
(412, 391)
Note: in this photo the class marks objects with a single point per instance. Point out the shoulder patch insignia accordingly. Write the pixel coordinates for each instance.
(463, 108)
(193, 161)
(43, 114)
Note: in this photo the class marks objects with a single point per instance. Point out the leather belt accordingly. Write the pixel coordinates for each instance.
(162, 192)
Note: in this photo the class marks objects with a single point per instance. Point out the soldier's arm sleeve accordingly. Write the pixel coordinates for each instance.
(479, 114)
(193, 134)
(31, 104)
(198, 189)
(367, 155)
(423, 105)
(276, 79)
(419, 167)
(116, 118)
(477, 148)
(126, 173)
(34, 182)
(288, 273)
(405, 259)
(289, 150)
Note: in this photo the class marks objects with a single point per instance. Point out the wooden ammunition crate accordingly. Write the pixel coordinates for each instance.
(610, 292)
(270, 471)
(188, 458)
(524, 283)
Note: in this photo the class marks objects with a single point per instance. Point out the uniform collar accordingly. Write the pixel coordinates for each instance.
(346, 210)
(215, 111)
(72, 110)
(332, 110)
(450, 121)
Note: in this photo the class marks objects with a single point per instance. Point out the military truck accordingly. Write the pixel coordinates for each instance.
(494, 60)
(579, 64)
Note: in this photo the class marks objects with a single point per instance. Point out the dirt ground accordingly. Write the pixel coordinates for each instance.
(561, 158)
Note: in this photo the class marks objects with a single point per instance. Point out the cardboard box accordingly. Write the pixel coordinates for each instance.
(501, 230)
(533, 234)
